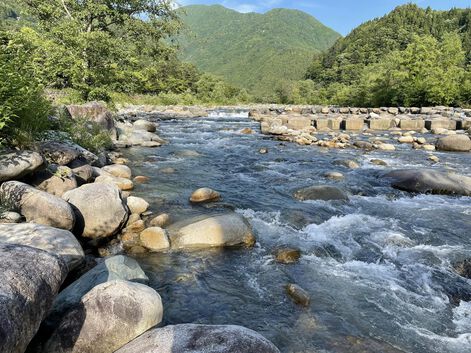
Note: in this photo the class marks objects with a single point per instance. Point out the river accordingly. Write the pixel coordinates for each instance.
(378, 267)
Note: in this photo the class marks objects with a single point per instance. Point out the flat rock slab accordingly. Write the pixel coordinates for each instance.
(16, 165)
(429, 181)
(56, 241)
(29, 280)
(189, 338)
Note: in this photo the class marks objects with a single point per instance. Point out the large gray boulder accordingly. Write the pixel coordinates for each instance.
(29, 280)
(37, 206)
(224, 230)
(16, 165)
(100, 210)
(190, 338)
(321, 192)
(58, 152)
(454, 143)
(109, 316)
(96, 112)
(53, 240)
(55, 180)
(428, 181)
(113, 268)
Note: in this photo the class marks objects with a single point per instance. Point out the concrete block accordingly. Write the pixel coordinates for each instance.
(409, 124)
(381, 124)
(440, 124)
(298, 123)
(353, 124)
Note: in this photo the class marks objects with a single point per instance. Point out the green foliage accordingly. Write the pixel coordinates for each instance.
(252, 51)
(412, 56)
(23, 108)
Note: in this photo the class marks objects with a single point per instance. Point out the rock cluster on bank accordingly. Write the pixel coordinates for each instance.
(76, 204)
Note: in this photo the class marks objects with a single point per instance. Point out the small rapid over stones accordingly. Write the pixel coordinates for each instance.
(377, 264)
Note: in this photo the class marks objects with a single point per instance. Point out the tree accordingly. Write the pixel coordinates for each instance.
(107, 43)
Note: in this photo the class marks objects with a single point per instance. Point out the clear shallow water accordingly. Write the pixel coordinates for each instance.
(378, 267)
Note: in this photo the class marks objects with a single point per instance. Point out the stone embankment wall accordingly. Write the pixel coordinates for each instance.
(335, 118)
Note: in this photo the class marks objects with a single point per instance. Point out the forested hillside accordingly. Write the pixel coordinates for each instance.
(254, 51)
(412, 56)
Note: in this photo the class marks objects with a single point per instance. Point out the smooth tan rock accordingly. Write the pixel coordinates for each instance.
(334, 176)
(347, 163)
(135, 227)
(160, 221)
(141, 179)
(154, 239)
(247, 131)
(405, 139)
(205, 195)
(55, 180)
(385, 147)
(287, 255)
(118, 170)
(137, 205)
(122, 183)
(144, 125)
(224, 230)
(454, 143)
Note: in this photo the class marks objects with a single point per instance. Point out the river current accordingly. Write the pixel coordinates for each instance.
(378, 267)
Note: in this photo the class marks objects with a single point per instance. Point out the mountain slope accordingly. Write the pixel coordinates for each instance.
(254, 51)
(374, 40)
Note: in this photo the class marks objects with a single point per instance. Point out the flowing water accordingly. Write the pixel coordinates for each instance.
(378, 268)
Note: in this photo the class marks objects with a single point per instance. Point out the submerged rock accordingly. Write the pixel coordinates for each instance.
(29, 280)
(347, 163)
(334, 175)
(16, 165)
(56, 241)
(287, 255)
(190, 338)
(299, 295)
(228, 229)
(205, 195)
(321, 192)
(109, 316)
(454, 143)
(428, 181)
(37, 206)
(100, 210)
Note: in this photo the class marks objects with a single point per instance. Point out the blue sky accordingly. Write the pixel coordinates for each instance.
(341, 15)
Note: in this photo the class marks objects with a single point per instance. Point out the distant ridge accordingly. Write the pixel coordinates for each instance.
(251, 50)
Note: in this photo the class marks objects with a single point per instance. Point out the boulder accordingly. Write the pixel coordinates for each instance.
(405, 139)
(385, 147)
(93, 111)
(59, 153)
(55, 180)
(56, 241)
(109, 316)
(83, 174)
(463, 268)
(365, 145)
(16, 165)
(29, 280)
(224, 230)
(454, 143)
(137, 205)
(191, 338)
(113, 268)
(205, 195)
(378, 162)
(145, 125)
(428, 181)
(122, 183)
(37, 206)
(100, 210)
(334, 175)
(118, 170)
(154, 239)
(321, 192)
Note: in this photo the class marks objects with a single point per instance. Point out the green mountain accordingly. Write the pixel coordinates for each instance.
(374, 40)
(251, 50)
